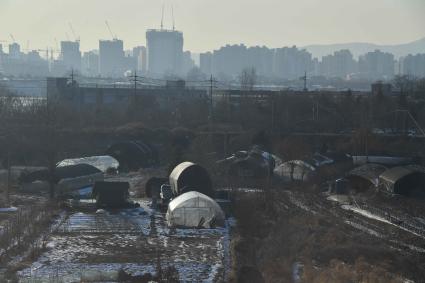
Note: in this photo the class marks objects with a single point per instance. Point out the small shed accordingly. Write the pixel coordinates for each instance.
(111, 194)
(194, 210)
(188, 176)
(406, 180)
(294, 170)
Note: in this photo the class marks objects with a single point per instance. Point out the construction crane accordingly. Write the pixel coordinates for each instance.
(1, 47)
(172, 15)
(114, 37)
(57, 43)
(162, 17)
(2, 41)
(304, 78)
(77, 38)
(46, 51)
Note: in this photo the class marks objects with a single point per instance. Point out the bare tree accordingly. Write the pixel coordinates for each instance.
(50, 139)
(248, 78)
(195, 74)
(404, 83)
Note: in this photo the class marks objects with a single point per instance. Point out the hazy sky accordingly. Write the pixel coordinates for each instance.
(208, 24)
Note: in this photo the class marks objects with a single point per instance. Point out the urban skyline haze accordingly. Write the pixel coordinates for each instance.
(273, 23)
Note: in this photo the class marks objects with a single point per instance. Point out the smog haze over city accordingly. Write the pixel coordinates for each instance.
(212, 141)
(274, 23)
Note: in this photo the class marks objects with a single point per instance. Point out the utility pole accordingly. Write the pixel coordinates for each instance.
(210, 120)
(73, 83)
(273, 110)
(135, 79)
(212, 85)
(304, 78)
(315, 110)
(132, 102)
(72, 76)
(8, 180)
(162, 18)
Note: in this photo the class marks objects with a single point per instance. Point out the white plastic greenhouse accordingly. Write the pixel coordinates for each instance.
(194, 210)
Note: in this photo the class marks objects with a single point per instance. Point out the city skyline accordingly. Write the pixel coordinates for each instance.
(275, 24)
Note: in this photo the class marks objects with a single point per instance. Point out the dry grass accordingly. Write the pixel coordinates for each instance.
(330, 250)
(338, 271)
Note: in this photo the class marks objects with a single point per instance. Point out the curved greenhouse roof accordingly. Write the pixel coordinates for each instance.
(188, 176)
(369, 172)
(194, 209)
(103, 163)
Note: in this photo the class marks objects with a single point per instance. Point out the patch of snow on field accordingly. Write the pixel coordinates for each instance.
(297, 202)
(8, 209)
(370, 215)
(363, 228)
(421, 220)
(297, 270)
(343, 199)
(74, 272)
(131, 239)
(365, 213)
(128, 220)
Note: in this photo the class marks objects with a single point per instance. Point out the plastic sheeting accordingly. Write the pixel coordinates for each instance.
(103, 163)
(193, 209)
(294, 170)
(188, 176)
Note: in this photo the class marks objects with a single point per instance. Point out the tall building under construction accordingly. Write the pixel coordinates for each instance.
(71, 55)
(164, 52)
(111, 57)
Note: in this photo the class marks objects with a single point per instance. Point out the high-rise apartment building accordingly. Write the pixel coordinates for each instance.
(377, 65)
(111, 58)
(164, 52)
(71, 55)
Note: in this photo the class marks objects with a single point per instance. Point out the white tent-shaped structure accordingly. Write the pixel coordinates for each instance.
(194, 210)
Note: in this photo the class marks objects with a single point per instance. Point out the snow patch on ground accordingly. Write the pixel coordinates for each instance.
(299, 203)
(363, 228)
(370, 215)
(89, 244)
(8, 209)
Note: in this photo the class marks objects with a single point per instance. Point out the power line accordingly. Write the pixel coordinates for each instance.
(135, 79)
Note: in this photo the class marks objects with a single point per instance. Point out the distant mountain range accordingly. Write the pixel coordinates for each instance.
(358, 48)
